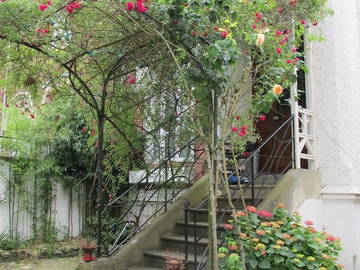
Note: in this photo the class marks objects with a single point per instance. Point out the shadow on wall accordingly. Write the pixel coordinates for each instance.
(293, 189)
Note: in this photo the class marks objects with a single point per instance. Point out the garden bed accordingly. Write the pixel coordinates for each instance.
(37, 251)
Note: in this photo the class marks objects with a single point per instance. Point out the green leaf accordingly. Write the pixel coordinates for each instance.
(253, 263)
(278, 259)
(264, 264)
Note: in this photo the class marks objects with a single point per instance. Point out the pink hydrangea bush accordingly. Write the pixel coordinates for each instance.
(277, 240)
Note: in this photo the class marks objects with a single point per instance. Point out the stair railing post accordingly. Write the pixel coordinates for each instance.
(195, 238)
(186, 229)
(252, 180)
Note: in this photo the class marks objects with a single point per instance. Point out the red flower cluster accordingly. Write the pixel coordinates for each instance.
(139, 6)
(71, 7)
(42, 31)
(264, 214)
(258, 16)
(42, 7)
(251, 209)
(262, 117)
(309, 223)
(223, 34)
(131, 79)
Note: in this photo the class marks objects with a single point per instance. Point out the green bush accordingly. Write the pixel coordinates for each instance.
(277, 240)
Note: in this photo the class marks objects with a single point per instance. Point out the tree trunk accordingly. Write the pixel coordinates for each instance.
(213, 259)
(99, 177)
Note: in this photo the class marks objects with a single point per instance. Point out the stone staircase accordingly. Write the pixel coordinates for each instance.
(173, 244)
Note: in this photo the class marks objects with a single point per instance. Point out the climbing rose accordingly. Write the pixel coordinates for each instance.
(131, 79)
(140, 6)
(278, 33)
(277, 89)
(262, 117)
(278, 50)
(70, 8)
(130, 6)
(234, 129)
(223, 34)
(43, 7)
(302, 21)
(251, 209)
(260, 39)
(242, 133)
(309, 223)
(244, 128)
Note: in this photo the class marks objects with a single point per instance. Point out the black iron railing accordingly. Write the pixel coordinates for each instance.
(152, 194)
(270, 160)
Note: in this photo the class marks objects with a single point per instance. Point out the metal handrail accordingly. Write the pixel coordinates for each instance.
(276, 153)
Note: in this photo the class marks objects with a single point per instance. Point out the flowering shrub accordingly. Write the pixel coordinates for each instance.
(277, 240)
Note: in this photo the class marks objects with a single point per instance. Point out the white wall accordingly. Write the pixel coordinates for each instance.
(335, 94)
(67, 218)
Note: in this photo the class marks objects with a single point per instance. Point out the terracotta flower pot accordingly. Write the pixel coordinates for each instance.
(174, 264)
(87, 254)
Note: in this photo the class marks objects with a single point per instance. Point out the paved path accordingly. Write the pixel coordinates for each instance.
(46, 264)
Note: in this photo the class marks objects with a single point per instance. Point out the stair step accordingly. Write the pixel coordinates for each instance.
(142, 267)
(160, 255)
(181, 239)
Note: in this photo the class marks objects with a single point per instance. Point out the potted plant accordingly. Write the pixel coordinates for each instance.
(88, 248)
(172, 263)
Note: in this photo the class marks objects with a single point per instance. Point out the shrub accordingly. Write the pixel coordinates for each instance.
(277, 240)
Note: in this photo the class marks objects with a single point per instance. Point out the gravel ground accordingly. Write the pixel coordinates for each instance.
(46, 264)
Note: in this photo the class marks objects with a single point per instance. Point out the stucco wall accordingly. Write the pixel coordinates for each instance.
(334, 82)
(66, 214)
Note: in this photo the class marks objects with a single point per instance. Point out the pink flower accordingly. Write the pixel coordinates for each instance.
(254, 26)
(278, 50)
(70, 8)
(244, 128)
(330, 238)
(42, 31)
(75, 5)
(293, 50)
(278, 33)
(234, 129)
(258, 16)
(140, 7)
(237, 117)
(131, 79)
(242, 133)
(130, 6)
(293, 3)
(43, 7)
(251, 209)
(223, 34)
(302, 21)
(264, 214)
(309, 223)
(262, 117)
